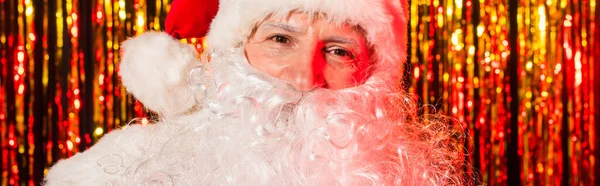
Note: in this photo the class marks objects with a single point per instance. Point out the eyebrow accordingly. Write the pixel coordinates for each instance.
(338, 39)
(335, 39)
(285, 27)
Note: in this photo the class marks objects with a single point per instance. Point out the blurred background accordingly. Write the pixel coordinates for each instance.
(520, 75)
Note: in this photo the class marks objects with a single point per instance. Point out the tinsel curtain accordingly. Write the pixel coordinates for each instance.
(519, 75)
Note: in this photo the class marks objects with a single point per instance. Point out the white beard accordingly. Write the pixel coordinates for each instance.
(255, 130)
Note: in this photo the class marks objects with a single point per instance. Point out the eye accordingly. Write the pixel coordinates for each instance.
(342, 53)
(280, 39)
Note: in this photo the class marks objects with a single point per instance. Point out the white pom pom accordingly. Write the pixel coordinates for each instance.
(154, 68)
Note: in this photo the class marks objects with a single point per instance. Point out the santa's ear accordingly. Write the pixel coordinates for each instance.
(154, 68)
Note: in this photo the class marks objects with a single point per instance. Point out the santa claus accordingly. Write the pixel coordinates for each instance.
(289, 92)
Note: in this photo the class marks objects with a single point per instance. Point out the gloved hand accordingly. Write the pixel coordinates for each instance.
(155, 68)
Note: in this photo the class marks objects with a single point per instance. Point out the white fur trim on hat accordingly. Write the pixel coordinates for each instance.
(385, 23)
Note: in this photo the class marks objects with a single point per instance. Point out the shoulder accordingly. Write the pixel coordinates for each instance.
(104, 162)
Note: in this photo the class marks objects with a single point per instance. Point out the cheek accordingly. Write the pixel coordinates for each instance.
(345, 78)
(265, 59)
(254, 55)
(363, 72)
(338, 79)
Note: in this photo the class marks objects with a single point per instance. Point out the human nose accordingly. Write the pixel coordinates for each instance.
(306, 73)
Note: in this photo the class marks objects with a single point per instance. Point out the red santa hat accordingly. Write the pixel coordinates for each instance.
(190, 18)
